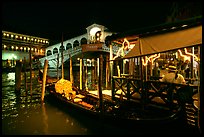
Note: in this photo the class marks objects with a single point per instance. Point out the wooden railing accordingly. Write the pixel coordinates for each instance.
(152, 92)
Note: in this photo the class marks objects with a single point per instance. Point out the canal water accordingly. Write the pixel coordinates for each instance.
(23, 113)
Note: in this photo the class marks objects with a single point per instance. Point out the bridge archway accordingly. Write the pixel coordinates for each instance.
(61, 48)
(76, 43)
(68, 46)
(83, 41)
(49, 52)
(55, 50)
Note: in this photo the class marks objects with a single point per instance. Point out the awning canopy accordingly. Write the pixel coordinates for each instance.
(167, 41)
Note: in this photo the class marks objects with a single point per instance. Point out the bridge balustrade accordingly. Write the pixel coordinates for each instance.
(73, 51)
(66, 55)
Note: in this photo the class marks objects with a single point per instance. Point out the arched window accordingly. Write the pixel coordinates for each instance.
(76, 43)
(69, 46)
(49, 53)
(55, 50)
(83, 41)
(98, 36)
(61, 48)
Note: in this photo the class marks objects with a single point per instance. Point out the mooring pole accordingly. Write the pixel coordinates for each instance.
(62, 59)
(107, 72)
(44, 79)
(86, 75)
(71, 74)
(111, 71)
(80, 74)
(57, 66)
(100, 81)
(92, 74)
(18, 76)
(25, 77)
(30, 59)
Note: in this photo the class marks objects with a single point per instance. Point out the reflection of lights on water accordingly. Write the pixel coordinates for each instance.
(11, 76)
(14, 115)
(22, 105)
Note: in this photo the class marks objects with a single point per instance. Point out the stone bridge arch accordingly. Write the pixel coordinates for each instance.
(74, 45)
(49, 52)
(68, 46)
(55, 50)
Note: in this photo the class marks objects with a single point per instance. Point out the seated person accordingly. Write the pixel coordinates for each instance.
(172, 76)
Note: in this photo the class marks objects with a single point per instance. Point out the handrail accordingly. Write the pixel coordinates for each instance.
(149, 91)
(72, 52)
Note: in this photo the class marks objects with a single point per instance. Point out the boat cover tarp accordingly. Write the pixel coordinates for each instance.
(166, 42)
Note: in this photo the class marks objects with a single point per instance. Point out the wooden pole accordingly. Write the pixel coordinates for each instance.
(118, 68)
(199, 95)
(58, 66)
(107, 74)
(192, 62)
(62, 59)
(96, 73)
(71, 74)
(131, 67)
(111, 69)
(30, 58)
(25, 77)
(86, 75)
(83, 73)
(146, 67)
(150, 69)
(92, 74)
(62, 65)
(44, 79)
(100, 80)
(80, 74)
(18, 76)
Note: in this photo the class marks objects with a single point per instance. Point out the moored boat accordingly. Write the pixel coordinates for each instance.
(115, 111)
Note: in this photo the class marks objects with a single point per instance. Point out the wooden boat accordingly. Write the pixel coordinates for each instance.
(115, 111)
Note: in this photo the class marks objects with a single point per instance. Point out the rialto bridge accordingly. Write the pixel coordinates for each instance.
(88, 45)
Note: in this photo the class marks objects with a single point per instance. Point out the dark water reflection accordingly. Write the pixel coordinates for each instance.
(23, 114)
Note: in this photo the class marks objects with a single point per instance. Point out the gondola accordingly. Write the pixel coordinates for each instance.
(116, 111)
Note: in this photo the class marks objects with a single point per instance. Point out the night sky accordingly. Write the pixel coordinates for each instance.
(51, 19)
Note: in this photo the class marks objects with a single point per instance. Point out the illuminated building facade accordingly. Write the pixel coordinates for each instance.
(17, 46)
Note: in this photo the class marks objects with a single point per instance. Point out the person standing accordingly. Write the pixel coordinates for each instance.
(195, 68)
(185, 68)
